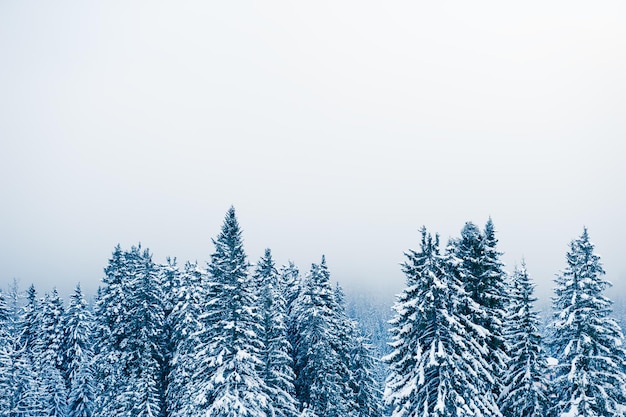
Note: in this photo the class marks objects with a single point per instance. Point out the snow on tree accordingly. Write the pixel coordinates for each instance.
(289, 281)
(484, 279)
(437, 361)
(227, 381)
(363, 381)
(130, 321)
(524, 384)
(189, 294)
(77, 356)
(589, 379)
(318, 340)
(21, 393)
(277, 365)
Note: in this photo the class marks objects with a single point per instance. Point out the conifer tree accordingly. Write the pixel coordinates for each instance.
(130, 326)
(363, 381)
(227, 380)
(524, 384)
(437, 361)
(589, 379)
(277, 365)
(78, 355)
(321, 370)
(289, 281)
(483, 278)
(189, 294)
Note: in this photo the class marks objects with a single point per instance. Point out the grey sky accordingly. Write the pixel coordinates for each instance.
(334, 127)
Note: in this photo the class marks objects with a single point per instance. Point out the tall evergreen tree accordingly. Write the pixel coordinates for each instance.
(227, 382)
(363, 381)
(483, 278)
(48, 359)
(78, 355)
(277, 365)
(22, 392)
(589, 379)
(321, 370)
(290, 283)
(437, 361)
(524, 389)
(189, 294)
(130, 326)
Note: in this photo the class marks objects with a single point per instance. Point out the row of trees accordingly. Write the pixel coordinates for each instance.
(466, 339)
(233, 339)
(226, 340)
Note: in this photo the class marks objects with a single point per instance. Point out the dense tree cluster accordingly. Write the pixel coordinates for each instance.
(230, 339)
(466, 340)
(236, 339)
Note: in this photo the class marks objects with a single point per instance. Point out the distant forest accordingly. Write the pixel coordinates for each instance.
(235, 338)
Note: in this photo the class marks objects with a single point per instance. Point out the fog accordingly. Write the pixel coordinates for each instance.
(336, 128)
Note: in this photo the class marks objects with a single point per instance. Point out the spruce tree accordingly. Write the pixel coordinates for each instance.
(363, 381)
(290, 283)
(277, 365)
(49, 363)
(589, 379)
(483, 278)
(227, 382)
(78, 355)
(322, 374)
(437, 362)
(189, 295)
(524, 384)
(130, 326)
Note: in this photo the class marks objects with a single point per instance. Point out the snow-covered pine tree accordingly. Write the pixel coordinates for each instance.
(277, 365)
(227, 382)
(483, 278)
(436, 363)
(28, 326)
(363, 380)
(189, 294)
(168, 277)
(77, 356)
(322, 373)
(6, 391)
(589, 379)
(21, 384)
(289, 280)
(130, 322)
(524, 384)
(21, 393)
(365, 395)
(49, 364)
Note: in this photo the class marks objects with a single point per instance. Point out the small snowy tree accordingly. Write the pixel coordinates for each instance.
(130, 314)
(78, 355)
(189, 295)
(320, 348)
(277, 367)
(363, 381)
(589, 379)
(524, 384)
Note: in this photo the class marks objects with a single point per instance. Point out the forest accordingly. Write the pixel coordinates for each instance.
(235, 338)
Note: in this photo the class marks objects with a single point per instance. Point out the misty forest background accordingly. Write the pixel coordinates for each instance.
(235, 338)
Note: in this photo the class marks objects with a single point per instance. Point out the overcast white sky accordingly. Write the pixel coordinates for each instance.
(336, 127)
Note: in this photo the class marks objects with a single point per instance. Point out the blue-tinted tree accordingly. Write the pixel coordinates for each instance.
(277, 365)
(524, 384)
(227, 380)
(589, 379)
(78, 356)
